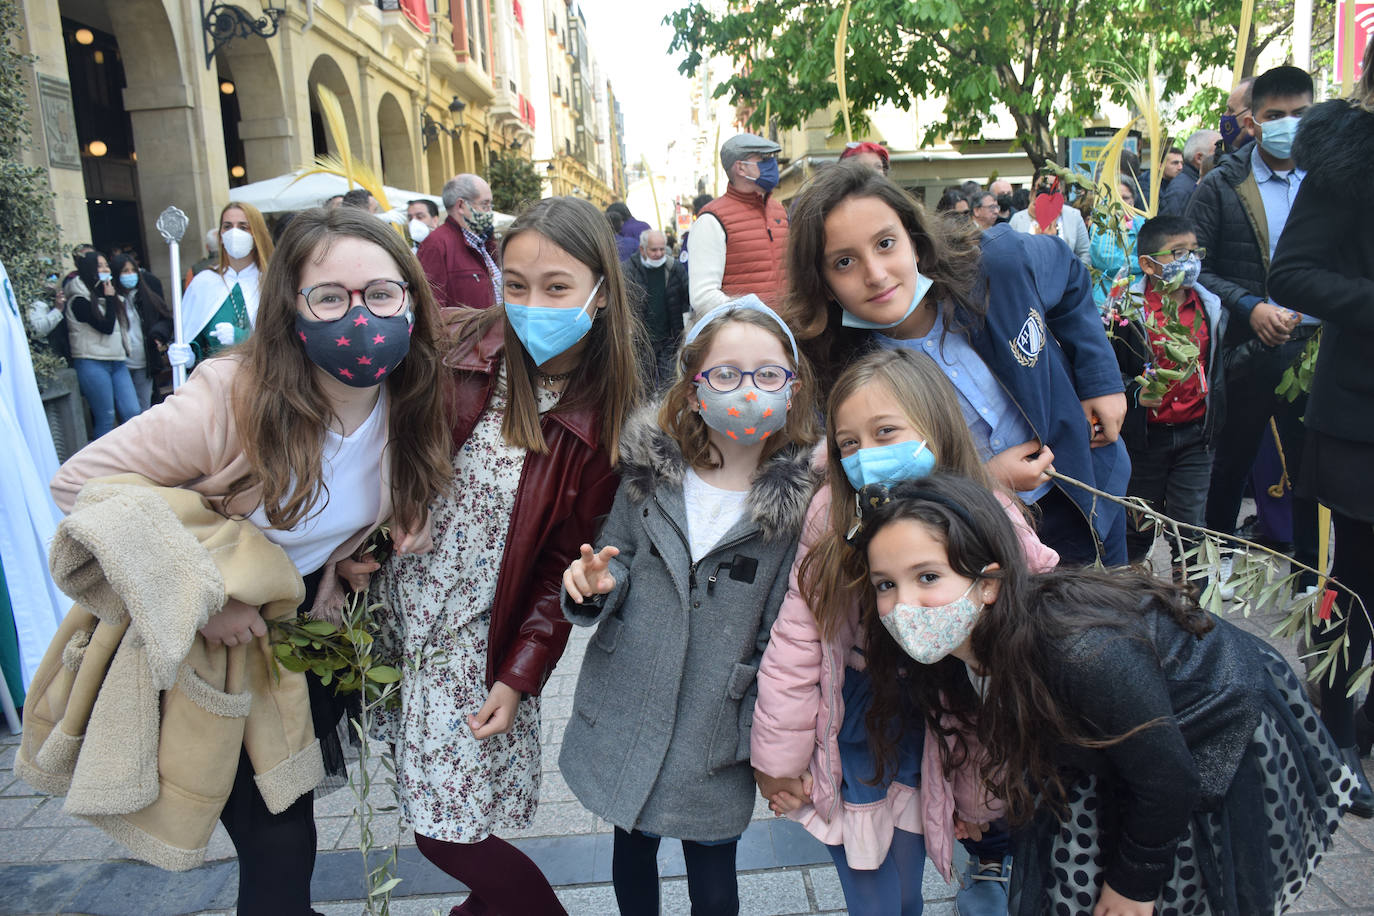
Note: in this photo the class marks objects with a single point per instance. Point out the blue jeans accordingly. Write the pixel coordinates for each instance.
(107, 387)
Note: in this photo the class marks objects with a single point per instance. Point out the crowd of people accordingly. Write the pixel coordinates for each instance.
(828, 486)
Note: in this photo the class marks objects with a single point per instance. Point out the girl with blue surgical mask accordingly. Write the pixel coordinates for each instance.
(690, 569)
(542, 389)
(892, 416)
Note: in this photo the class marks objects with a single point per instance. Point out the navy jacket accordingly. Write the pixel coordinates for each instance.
(1044, 340)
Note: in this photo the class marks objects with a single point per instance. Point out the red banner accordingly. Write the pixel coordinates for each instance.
(1364, 28)
(417, 13)
(519, 13)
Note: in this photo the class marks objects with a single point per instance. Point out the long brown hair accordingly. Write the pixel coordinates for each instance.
(610, 377)
(281, 408)
(1021, 723)
(832, 577)
(262, 239)
(689, 430)
(947, 253)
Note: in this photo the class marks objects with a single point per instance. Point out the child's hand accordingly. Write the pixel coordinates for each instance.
(357, 573)
(784, 795)
(968, 830)
(587, 575)
(1021, 467)
(1110, 903)
(497, 714)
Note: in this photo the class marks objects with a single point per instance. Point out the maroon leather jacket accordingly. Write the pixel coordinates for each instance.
(561, 500)
(455, 269)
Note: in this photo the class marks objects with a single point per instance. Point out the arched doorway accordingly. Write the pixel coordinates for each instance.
(324, 71)
(134, 99)
(254, 109)
(398, 155)
(434, 168)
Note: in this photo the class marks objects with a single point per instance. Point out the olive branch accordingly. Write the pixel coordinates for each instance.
(1257, 580)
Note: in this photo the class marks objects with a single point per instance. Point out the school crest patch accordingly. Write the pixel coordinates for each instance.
(1030, 340)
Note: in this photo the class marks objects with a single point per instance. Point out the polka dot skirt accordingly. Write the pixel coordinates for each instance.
(1255, 852)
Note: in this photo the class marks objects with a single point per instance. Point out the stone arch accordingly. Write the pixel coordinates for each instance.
(325, 71)
(169, 127)
(264, 127)
(479, 162)
(396, 144)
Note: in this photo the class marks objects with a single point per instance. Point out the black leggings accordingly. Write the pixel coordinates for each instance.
(711, 880)
(276, 851)
(1354, 569)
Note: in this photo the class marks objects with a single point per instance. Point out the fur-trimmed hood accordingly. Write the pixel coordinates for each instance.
(1335, 144)
(650, 458)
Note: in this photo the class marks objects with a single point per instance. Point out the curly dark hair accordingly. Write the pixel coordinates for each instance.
(1019, 722)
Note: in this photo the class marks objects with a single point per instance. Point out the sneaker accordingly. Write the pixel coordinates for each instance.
(1224, 569)
(984, 889)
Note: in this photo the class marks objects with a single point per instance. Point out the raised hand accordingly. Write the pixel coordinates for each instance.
(588, 574)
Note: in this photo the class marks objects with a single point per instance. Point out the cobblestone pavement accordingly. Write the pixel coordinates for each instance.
(51, 863)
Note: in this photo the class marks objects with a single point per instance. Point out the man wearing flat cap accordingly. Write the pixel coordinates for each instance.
(739, 239)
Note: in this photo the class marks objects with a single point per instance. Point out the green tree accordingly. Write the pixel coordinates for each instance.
(514, 183)
(28, 238)
(1045, 61)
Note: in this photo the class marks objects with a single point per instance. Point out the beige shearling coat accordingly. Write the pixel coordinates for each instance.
(131, 715)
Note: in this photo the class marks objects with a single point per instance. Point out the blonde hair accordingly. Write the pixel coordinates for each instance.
(678, 418)
(833, 575)
(262, 239)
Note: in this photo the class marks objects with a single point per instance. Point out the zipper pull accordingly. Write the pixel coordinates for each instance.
(692, 577)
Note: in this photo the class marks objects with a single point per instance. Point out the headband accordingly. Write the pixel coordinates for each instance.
(746, 303)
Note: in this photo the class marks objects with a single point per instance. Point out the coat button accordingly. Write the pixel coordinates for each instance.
(696, 604)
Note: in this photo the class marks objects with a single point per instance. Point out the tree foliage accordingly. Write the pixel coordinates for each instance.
(28, 238)
(514, 183)
(1044, 61)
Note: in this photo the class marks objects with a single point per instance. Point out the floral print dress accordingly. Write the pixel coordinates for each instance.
(438, 608)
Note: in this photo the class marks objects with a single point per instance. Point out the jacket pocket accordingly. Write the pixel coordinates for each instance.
(591, 686)
(730, 737)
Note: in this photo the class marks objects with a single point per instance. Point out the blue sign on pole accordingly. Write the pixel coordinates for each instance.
(1084, 152)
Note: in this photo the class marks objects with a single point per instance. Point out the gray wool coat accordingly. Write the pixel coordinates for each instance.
(659, 736)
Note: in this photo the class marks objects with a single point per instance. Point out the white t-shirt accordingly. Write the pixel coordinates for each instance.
(711, 512)
(352, 478)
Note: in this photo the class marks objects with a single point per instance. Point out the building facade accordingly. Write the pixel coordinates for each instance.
(141, 104)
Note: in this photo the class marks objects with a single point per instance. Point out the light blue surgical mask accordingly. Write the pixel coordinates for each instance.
(888, 464)
(923, 284)
(548, 332)
(128, 281)
(1276, 137)
(104, 276)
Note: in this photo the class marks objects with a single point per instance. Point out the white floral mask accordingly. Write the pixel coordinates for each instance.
(928, 634)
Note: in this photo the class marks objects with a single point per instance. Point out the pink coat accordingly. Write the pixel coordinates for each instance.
(800, 709)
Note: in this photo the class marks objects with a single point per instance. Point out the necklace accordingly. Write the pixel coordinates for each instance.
(547, 379)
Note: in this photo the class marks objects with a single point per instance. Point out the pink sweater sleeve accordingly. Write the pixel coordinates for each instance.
(789, 679)
(1039, 558)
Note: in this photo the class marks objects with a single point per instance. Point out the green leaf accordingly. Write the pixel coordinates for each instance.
(319, 628)
(383, 674)
(384, 888)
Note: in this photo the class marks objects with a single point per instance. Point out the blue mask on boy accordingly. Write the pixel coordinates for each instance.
(888, 464)
(547, 332)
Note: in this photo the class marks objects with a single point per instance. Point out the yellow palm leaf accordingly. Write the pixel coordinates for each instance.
(842, 46)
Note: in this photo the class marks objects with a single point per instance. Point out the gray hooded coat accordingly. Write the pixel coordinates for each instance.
(659, 736)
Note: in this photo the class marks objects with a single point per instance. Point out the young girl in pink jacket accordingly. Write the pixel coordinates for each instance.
(892, 416)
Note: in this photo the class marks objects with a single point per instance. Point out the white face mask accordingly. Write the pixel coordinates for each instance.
(237, 242)
(418, 231)
(651, 263)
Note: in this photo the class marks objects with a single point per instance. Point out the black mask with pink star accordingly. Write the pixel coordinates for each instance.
(358, 349)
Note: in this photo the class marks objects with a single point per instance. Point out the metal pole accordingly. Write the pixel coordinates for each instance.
(172, 224)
